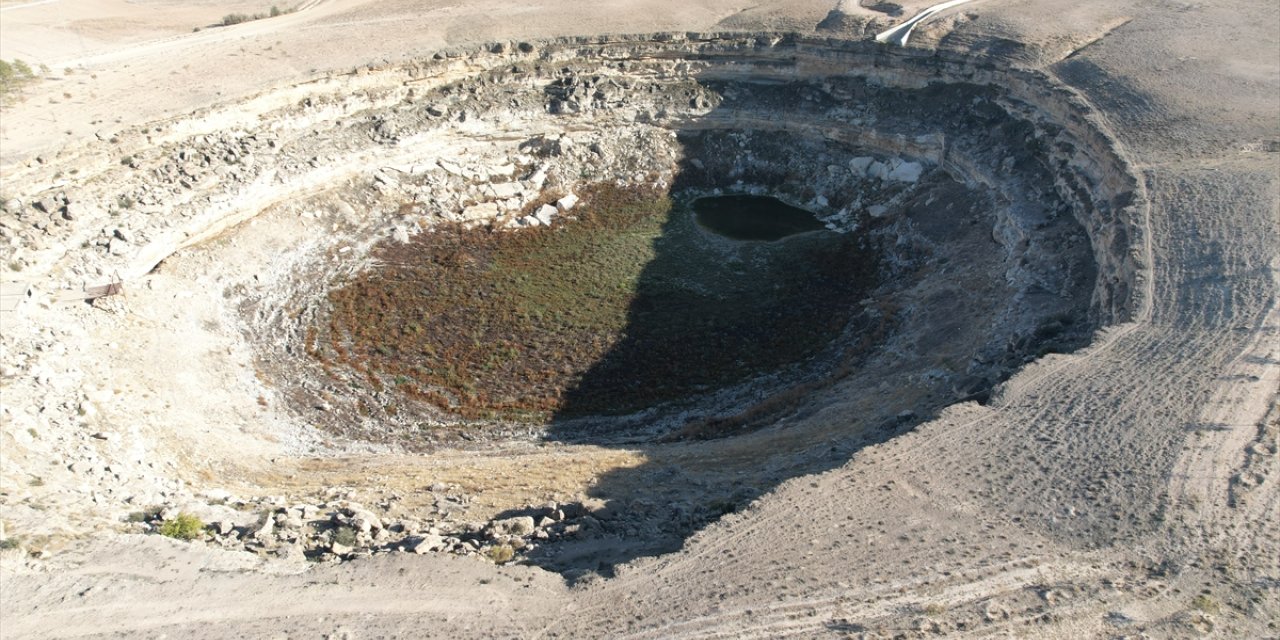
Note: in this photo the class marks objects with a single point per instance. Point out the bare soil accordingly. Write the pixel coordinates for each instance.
(1126, 488)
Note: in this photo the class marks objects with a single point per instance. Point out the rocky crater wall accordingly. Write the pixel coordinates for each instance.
(181, 181)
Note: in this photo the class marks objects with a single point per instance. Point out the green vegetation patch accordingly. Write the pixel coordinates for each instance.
(183, 526)
(13, 75)
(627, 306)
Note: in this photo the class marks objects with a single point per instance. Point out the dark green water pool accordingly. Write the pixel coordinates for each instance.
(744, 217)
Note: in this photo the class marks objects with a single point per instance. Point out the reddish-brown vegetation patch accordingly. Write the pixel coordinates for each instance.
(627, 306)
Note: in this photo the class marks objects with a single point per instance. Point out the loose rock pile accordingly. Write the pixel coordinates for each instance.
(344, 530)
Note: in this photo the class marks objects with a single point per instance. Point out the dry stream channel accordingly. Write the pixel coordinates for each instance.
(746, 256)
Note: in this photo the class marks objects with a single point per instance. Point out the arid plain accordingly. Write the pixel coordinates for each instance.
(1053, 415)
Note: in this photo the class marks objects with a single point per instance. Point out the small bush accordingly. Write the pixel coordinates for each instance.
(1206, 603)
(184, 526)
(345, 536)
(501, 553)
(10, 543)
(235, 18)
(14, 74)
(934, 609)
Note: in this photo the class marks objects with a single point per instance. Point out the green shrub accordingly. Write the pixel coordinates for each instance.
(14, 74)
(184, 526)
(345, 536)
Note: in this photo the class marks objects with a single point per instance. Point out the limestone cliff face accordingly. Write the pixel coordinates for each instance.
(172, 184)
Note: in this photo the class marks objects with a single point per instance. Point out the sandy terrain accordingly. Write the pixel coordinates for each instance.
(1127, 489)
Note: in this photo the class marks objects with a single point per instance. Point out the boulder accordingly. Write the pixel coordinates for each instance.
(385, 178)
(538, 178)
(75, 210)
(878, 170)
(502, 171)
(47, 205)
(545, 213)
(293, 552)
(505, 190)
(364, 522)
(860, 165)
(906, 172)
(482, 211)
(566, 203)
(265, 530)
(427, 543)
(517, 526)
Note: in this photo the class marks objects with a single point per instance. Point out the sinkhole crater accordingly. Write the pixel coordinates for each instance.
(692, 236)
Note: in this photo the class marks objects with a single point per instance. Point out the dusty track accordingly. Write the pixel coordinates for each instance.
(1097, 495)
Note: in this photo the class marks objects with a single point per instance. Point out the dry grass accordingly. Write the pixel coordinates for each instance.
(500, 554)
